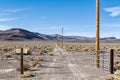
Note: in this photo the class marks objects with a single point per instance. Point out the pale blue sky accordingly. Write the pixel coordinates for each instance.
(48, 16)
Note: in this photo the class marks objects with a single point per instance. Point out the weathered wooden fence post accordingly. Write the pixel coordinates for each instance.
(62, 37)
(21, 62)
(111, 61)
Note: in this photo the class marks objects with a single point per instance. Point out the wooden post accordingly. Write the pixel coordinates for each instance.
(58, 40)
(97, 33)
(21, 62)
(62, 37)
(111, 61)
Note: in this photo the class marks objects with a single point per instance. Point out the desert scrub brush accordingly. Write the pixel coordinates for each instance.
(109, 78)
(26, 74)
(117, 75)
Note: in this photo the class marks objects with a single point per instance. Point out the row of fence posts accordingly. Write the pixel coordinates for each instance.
(111, 59)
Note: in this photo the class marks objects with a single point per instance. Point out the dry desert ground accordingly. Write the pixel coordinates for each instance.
(48, 61)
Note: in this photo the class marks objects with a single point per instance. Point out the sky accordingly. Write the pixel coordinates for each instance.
(77, 17)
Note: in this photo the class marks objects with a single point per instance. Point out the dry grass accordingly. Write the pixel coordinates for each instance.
(26, 66)
(117, 66)
(26, 74)
(51, 54)
(117, 75)
(109, 78)
(90, 47)
(35, 63)
(37, 46)
(47, 47)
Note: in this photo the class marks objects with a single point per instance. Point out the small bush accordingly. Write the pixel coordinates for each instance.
(25, 75)
(51, 54)
(109, 78)
(117, 66)
(8, 56)
(35, 62)
(117, 75)
(26, 66)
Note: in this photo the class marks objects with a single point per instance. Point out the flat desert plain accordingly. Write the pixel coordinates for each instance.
(47, 60)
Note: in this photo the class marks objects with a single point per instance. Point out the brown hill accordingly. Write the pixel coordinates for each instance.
(18, 34)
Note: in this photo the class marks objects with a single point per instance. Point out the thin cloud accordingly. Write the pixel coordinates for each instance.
(13, 10)
(6, 19)
(86, 34)
(114, 11)
(111, 25)
(4, 27)
(5, 12)
(110, 34)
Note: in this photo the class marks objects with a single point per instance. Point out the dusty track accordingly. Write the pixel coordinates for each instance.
(66, 66)
(71, 66)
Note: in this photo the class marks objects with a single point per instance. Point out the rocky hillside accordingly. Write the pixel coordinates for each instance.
(18, 34)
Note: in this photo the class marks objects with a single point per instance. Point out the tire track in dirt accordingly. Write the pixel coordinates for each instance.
(60, 70)
(80, 66)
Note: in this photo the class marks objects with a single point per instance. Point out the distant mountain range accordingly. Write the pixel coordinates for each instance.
(17, 34)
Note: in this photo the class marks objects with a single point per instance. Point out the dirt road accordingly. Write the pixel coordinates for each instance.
(70, 66)
(66, 66)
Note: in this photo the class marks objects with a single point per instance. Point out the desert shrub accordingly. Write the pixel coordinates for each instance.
(5, 50)
(29, 51)
(116, 62)
(38, 59)
(117, 66)
(51, 54)
(85, 49)
(26, 66)
(109, 78)
(43, 51)
(36, 62)
(8, 56)
(117, 75)
(37, 65)
(26, 74)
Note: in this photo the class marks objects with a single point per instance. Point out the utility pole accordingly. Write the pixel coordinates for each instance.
(58, 39)
(62, 37)
(97, 31)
